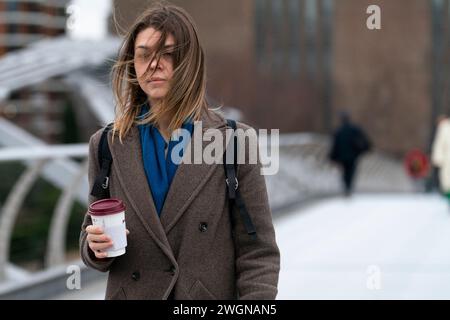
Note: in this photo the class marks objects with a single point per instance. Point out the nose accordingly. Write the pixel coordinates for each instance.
(154, 64)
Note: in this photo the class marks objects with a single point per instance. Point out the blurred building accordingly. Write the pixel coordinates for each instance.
(385, 77)
(39, 109)
(25, 21)
(268, 58)
(294, 64)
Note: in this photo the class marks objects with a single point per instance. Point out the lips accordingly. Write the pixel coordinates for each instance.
(156, 80)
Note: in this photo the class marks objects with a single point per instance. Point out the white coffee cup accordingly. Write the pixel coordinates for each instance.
(109, 214)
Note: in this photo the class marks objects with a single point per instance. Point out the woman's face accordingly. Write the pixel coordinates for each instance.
(155, 83)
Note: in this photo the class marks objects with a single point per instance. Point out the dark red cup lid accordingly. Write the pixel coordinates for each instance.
(106, 207)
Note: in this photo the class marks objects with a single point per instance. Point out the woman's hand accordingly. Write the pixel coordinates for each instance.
(98, 241)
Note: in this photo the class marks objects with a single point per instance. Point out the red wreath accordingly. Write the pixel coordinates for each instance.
(417, 164)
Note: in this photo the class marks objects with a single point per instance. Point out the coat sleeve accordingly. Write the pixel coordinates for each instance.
(257, 260)
(87, 255)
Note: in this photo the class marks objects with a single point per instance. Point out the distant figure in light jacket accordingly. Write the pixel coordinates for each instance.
(441, 154)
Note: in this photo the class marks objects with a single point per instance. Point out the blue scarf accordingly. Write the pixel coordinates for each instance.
(159, 170)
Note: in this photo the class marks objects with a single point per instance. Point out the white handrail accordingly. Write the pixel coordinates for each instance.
(42, 152)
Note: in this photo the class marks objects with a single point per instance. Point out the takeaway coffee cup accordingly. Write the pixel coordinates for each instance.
(109, 214)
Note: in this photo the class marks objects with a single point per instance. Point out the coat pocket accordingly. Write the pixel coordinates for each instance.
(119, 295)
(200, 292)
(116, 288)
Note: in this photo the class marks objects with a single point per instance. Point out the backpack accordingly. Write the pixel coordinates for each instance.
(100, 188)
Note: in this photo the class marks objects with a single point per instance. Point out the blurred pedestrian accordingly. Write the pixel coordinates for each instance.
(441, 154)
(349, 143)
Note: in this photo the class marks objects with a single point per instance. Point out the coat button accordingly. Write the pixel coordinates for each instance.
(135, 275)
(173, 270)
(203, 227)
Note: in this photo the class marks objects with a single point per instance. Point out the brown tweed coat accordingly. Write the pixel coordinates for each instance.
(173, 253)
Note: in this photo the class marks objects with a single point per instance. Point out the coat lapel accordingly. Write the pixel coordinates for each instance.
(131, 174)
(190, 178)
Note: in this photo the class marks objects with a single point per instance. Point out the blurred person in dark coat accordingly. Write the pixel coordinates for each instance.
(349, 143)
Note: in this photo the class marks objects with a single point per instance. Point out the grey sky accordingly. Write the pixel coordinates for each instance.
(88, 18)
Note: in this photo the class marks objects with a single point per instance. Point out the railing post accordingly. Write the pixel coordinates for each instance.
(56, 244)
(11, 209)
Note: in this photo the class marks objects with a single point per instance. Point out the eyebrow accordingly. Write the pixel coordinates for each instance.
(150, 48)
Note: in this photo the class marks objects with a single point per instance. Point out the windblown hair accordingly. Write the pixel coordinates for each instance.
(186, 98)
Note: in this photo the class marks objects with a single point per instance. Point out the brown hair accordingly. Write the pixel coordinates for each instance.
(187, 94)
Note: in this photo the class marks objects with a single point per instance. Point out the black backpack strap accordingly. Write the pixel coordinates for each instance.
(100, 188)
(232, 182)
(231, 166)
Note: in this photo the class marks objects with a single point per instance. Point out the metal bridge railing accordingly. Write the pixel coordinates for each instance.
(304, 171)
(40, 156)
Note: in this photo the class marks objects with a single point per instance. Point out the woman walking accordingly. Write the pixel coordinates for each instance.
(183, 243)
